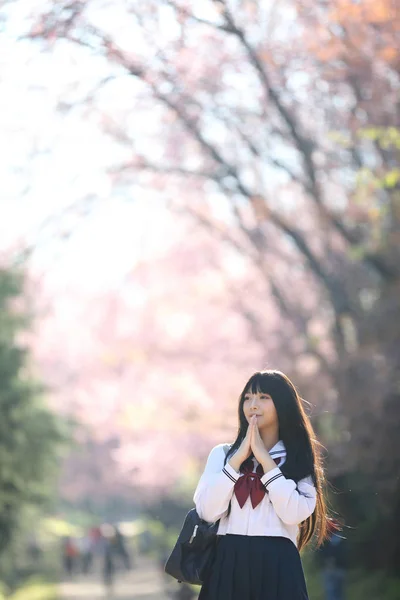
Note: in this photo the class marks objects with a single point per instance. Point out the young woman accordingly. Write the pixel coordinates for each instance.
(267, 491)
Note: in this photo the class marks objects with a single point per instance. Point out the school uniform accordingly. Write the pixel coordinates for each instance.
(256, 553)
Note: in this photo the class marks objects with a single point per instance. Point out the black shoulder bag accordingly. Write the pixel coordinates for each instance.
(192, 555)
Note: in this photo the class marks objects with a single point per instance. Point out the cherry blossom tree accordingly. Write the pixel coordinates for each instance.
(276, 128)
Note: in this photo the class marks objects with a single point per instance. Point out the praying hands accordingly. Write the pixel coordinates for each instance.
(252, 443)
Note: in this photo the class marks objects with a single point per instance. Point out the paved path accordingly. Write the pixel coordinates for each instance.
(144, 582)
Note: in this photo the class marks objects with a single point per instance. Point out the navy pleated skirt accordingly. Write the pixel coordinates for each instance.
(255, 568)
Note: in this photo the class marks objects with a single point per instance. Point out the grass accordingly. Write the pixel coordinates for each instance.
(35, 589)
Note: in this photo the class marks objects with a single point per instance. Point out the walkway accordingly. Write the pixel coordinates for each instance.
(144, 582)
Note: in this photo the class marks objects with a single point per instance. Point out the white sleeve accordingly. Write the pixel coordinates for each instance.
(215, 487)
(291, 505)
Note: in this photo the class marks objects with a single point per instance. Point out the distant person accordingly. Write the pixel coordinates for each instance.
(184, 592)
(333, 560)
(33, 549)
(145, 542)
(86, 553)
(163, 552)
(266, 492)
(70, 554)
(121, 548)
(109, 556)
(96, 538)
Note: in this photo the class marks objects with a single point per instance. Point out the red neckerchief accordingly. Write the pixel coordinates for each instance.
(249, 484)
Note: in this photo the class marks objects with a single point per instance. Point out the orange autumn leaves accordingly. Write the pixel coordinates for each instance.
(345, 30)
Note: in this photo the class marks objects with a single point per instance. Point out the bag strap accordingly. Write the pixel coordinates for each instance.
(227, 447)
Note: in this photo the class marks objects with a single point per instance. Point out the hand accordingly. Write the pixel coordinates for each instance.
(260, 451)
(257, 445)
(244, 450)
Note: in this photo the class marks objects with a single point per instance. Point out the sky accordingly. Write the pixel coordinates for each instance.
(56, 194)
(54, 170)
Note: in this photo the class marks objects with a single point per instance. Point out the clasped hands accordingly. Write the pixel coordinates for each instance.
(253, 443)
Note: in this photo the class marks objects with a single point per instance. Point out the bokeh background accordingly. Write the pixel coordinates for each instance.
(191, 192)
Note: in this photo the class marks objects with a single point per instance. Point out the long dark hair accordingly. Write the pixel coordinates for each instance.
(304, 455)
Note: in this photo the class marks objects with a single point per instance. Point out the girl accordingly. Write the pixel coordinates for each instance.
(267, 491)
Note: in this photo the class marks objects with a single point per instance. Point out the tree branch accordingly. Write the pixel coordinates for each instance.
(305, 146)
(287, 310)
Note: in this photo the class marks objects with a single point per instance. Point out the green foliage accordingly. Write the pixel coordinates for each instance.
(370, 180)
(30, 435)
(385, 137)
(372, 585)
(359, 583)
(367, 178)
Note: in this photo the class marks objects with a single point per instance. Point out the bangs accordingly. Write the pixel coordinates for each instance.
(260, 383)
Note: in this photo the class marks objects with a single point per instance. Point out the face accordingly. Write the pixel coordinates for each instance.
(262, 405)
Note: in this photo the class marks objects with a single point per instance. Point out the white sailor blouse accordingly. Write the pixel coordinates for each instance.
(283, 505)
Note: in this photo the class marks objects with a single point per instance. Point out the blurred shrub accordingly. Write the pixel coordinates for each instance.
(30, 435)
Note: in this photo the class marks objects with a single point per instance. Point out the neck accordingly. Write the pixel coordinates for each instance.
(270, 437)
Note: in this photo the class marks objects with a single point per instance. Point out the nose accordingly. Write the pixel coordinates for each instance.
(254, 403)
